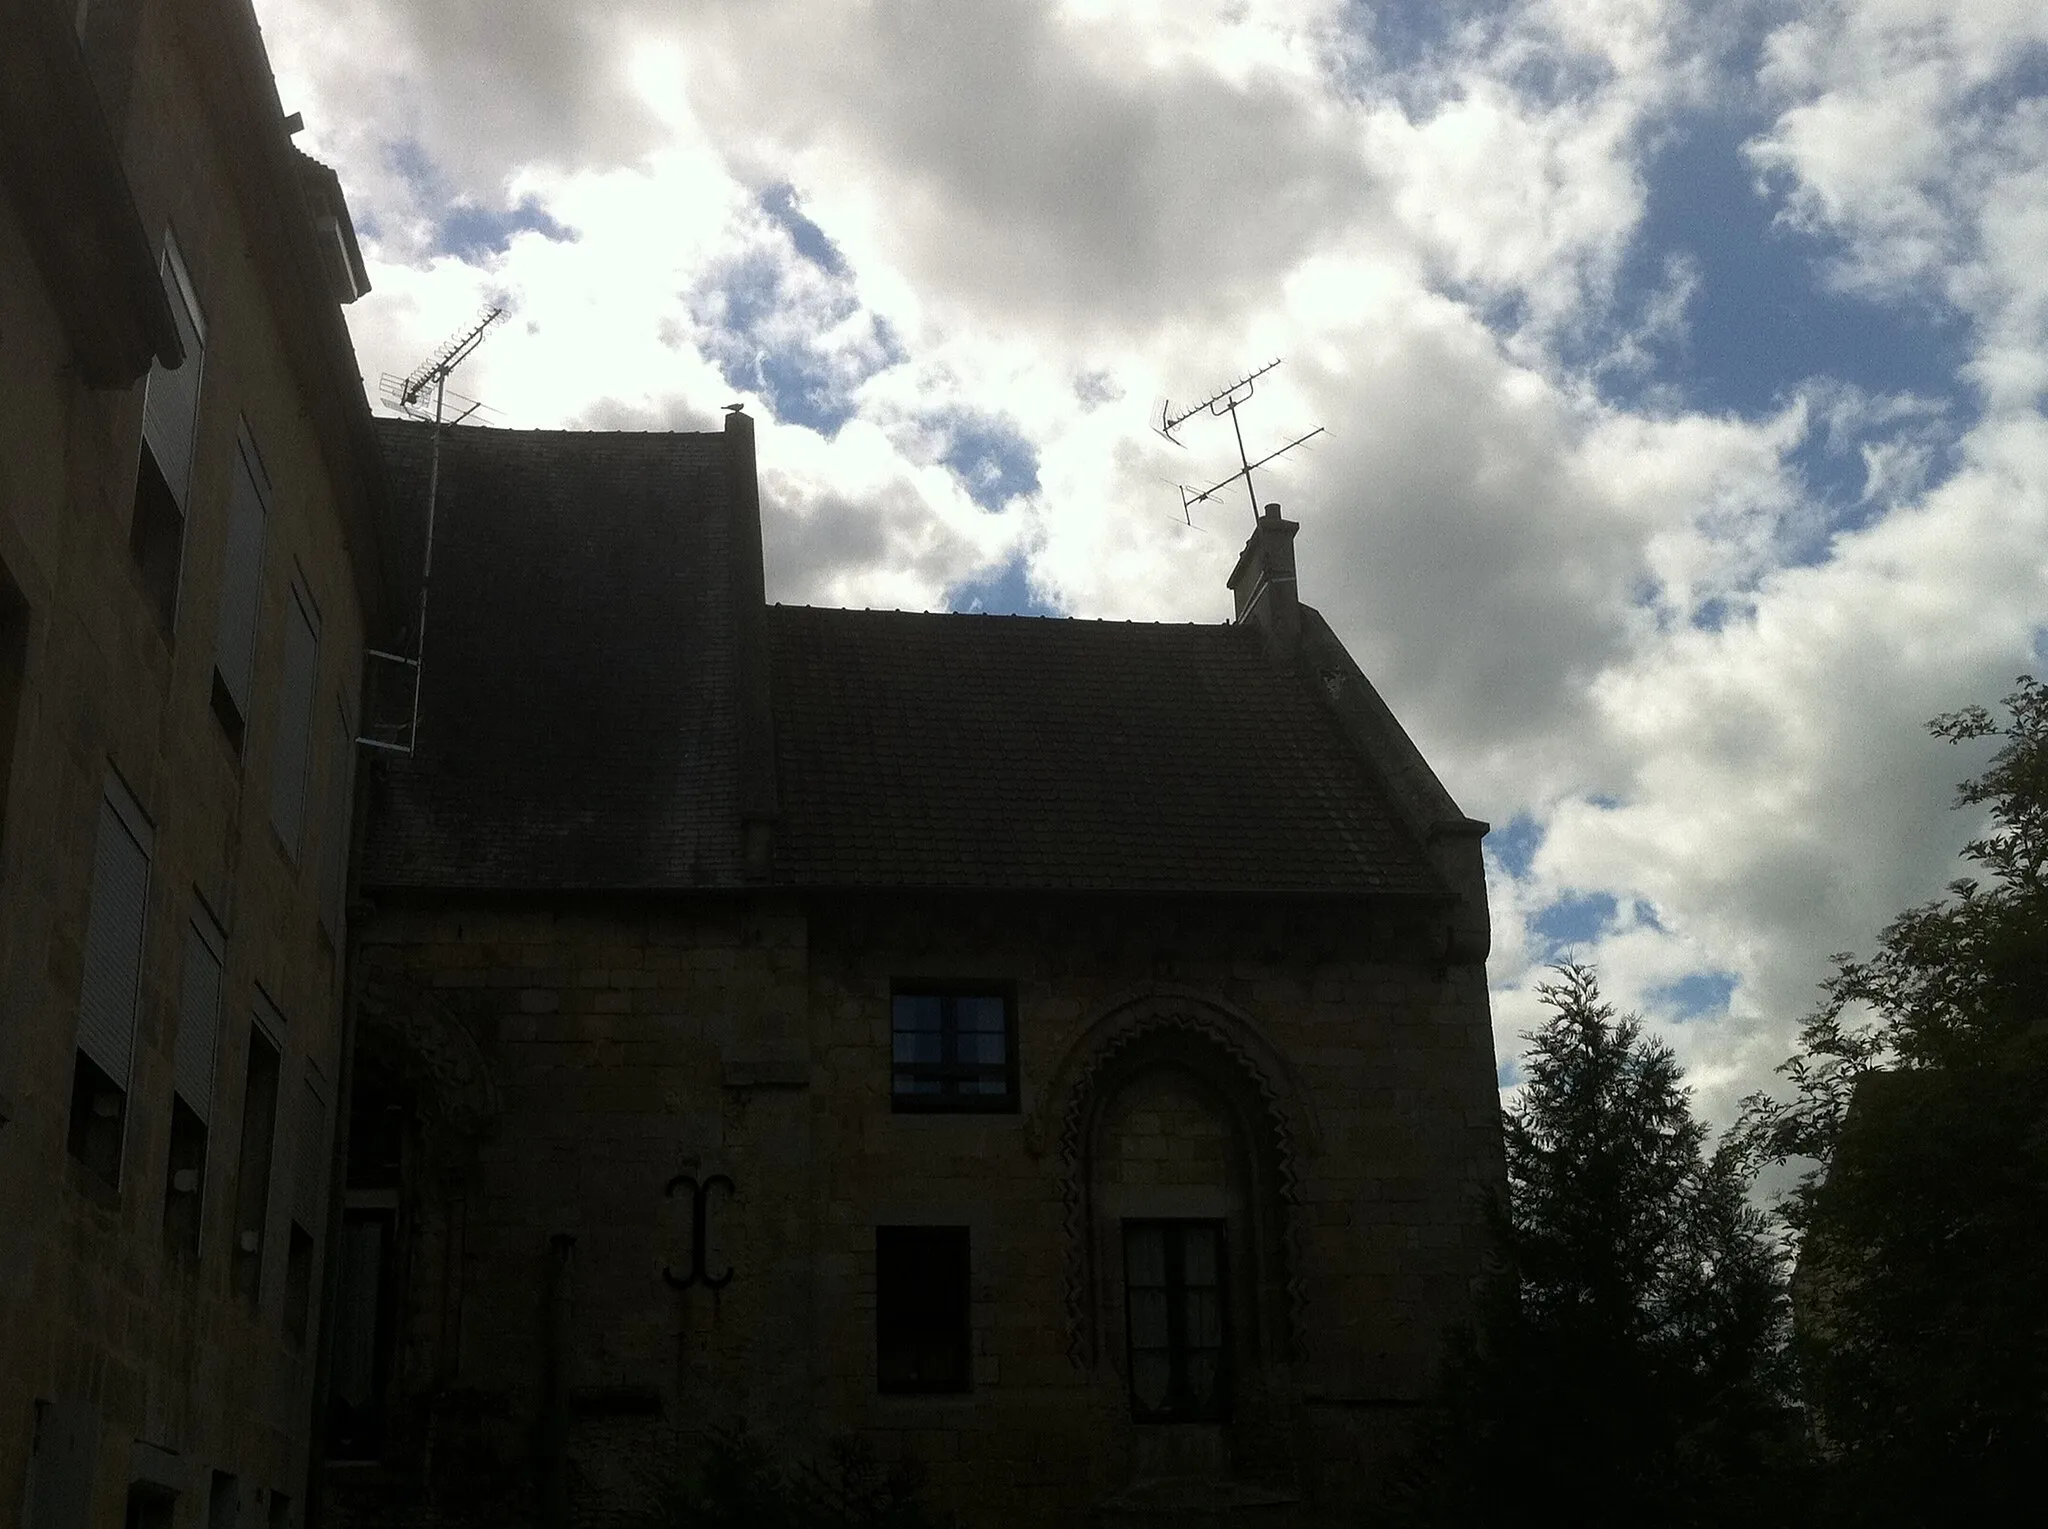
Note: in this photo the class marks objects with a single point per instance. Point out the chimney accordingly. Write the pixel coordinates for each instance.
(1263, 581)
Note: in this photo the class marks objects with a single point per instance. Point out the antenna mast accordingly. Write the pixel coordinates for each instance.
(407, 395)
(1226, 401)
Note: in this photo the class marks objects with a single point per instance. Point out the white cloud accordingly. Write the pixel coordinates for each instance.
(1648, 629)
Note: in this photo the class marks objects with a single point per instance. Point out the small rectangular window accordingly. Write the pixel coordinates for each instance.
(150, 1506)
(224, 1502)
(241, 591)
(192, 1096)
(922, 1327)
(1174, 1321)
(114, 931)
(952, 1048)
(295, 721)
(259, 1135)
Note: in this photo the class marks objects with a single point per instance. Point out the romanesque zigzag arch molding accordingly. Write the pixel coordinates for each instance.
(414, 1032)
(1160, 1022)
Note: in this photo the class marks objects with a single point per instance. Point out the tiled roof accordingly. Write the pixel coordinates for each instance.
(581, 715)
(577, 720)
(1011, 752)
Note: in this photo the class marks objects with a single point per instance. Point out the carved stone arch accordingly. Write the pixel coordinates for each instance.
(408, 1032)
(1224, 1050)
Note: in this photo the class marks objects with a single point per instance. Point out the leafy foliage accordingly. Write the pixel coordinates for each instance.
(1622, 1368)
(1920, 1091)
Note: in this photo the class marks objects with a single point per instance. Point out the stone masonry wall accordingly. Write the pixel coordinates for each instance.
(94, 1311)
(629, 1042)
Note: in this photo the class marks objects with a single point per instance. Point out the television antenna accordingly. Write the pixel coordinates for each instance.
(408, 395)
(1226, 401)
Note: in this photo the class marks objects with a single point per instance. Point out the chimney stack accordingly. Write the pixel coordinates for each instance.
(1263, 581)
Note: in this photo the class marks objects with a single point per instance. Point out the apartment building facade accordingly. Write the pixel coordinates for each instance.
(189, 570)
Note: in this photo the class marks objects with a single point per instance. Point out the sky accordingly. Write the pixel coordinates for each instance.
(1681, 368)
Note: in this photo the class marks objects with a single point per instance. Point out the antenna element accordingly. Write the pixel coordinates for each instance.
(407, 395)
(1226, 401)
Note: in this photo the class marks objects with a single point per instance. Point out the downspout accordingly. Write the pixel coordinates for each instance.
(551, 1428)
(337, 1167)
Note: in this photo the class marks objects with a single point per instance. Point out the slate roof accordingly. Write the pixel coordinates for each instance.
(577, 719)
(1007, 752)
(581, 714)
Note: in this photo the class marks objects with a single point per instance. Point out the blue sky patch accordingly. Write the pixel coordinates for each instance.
(1514, 846)
(1696, 994)
(472, 234)
(989, 456)
(779, 202)
(1576, 919)
(1763, 317)
(1004, 591)
(763, 334)
(464, 228)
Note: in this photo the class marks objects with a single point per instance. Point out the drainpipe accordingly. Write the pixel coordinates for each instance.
(354, 915)
(551, 1429)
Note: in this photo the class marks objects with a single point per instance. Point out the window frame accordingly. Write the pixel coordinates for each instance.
(950, 1070)
(1179, 1408)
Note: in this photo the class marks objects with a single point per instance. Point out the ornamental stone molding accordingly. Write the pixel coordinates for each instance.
(1224, 1047)
(414, 1034)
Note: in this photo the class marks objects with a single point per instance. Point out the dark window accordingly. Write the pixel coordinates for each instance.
(362, 1335)
(184, 1180)
(156, 540)
(280, 1515)
(99, 1112)
(1174, 1319)
(192, 1098)
(224, 1502)
(366, 1273)
(252, 1178)
(953, 1048)
(150, 1506)
(921, 1309)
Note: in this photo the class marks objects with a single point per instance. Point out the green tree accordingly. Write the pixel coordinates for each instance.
(1622, 1366)
(1920, 1095)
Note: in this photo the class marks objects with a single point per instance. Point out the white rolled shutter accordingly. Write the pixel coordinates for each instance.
(113, 935)
(241, 586)
(199, 1017)
(170, 406)
(294, 723)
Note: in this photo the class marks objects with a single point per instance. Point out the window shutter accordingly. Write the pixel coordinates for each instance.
(340, 814)
(170, 407)
(269, 1021)
(241, 587)
(113, 935)
(312, 1164)
(199, 1020)
(294, 723)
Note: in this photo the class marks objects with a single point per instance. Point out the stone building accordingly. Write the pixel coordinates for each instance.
(1054, 1050)
(189, 512)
